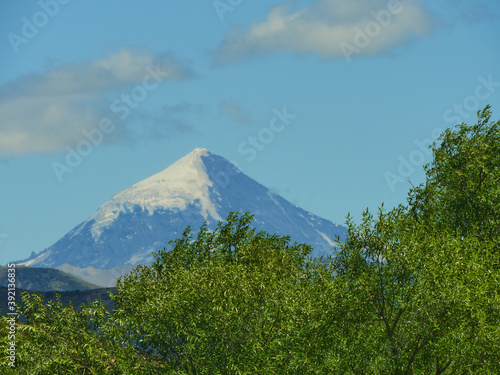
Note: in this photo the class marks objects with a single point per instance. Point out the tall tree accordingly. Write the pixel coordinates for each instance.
(229, 301)
(462, 188)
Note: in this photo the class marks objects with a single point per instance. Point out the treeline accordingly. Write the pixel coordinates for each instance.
(413, 290)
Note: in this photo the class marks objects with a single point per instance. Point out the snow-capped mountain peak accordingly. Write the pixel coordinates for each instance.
(200, 187)
(177, 186)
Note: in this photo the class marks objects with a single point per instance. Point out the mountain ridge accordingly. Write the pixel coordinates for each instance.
(45, 279)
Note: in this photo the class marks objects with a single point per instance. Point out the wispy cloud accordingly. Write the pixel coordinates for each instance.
(44, 113)
(236, 112)
(322, 28)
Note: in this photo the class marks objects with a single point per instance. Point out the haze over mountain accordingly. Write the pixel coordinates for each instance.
(141, 219)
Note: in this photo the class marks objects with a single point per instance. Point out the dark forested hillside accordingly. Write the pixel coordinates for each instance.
(45, 279)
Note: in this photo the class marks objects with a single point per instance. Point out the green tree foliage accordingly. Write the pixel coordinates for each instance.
(57, 339)
(230, 301)
(416, 303)
(462, 189)
(422, 281)
(413, 290)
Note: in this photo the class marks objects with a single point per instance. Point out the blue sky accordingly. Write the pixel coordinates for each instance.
(96, 96)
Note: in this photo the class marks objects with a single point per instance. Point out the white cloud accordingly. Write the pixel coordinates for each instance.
(47, 112)
(323, 27)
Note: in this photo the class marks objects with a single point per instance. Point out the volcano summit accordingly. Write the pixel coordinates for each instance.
(141, 219)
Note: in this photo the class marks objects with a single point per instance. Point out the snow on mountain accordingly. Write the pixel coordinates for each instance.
(141, 219)
(176, 187)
